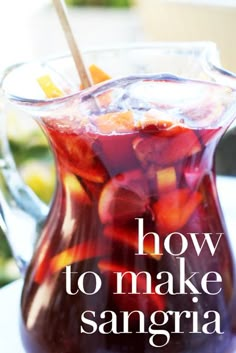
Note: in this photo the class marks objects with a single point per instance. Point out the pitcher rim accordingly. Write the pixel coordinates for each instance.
(208, 50)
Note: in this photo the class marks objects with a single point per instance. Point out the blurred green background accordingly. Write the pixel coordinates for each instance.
(35, 163)
(114, 3)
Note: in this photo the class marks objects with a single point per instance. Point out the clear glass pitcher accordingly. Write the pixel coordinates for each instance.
(133, 254)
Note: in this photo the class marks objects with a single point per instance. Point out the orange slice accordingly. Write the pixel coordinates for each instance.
(80, 252)
(77, 253)
(98, 75)
(115, 122)
(173, 209)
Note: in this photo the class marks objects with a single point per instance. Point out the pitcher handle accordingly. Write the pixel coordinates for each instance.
(22, 213)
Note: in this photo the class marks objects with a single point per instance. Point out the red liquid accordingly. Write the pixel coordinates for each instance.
(162, 175)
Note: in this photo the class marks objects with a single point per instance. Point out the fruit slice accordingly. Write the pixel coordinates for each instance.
(166, 179)
(123, 198)
(173, 210)
(163, 151)
(75, 149)
(98, 75)
(49, 87)
(129, 236)
(74, 187)
(117, 122)
(80, 252)
(147, 149)
(143, 301)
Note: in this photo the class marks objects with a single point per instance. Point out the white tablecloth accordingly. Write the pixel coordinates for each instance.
(10, 295)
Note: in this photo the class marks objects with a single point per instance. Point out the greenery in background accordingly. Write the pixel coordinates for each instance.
(35, 162)
(111, 3)
(8, 270)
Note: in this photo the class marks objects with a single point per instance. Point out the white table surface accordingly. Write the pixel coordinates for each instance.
(10, 295)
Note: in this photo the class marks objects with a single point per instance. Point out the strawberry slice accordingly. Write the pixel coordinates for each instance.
(123, 198)
(128, 236)
(163, 151)
(144, 302)
(173, 210)
(118, 122)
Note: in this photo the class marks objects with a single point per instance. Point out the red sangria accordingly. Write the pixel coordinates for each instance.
(134, 256)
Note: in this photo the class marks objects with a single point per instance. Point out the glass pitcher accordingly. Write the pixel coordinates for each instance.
(133, 254)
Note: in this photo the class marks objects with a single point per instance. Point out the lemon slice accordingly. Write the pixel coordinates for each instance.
(49, 87)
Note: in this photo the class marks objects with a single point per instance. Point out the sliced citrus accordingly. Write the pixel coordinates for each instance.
(80, 252)
(74, 187)
(123, 198)
(117, 122)
(75, 150)
(173, 209)
(49, 87)
(98, 75)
